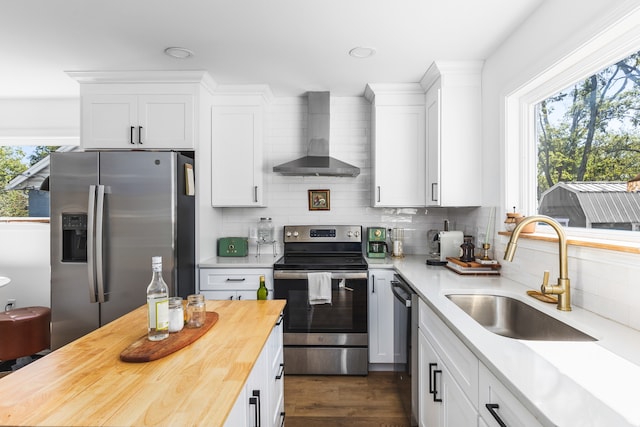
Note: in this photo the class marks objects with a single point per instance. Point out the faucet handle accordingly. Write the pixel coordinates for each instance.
(545, 281)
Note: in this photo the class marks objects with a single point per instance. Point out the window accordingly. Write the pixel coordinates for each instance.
(618, 40)
(23, 169)
(588, 149)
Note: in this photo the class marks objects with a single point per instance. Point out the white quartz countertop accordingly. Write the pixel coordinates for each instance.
(250, 261)
(561, 383)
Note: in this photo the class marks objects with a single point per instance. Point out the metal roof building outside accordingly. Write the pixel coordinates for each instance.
(593, 205)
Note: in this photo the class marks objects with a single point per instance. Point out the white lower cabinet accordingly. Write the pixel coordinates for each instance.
(442, 402)
(234, 283)
(498, 407)
(454, 388)
(448, 375)
(381, 325)
(261, 401)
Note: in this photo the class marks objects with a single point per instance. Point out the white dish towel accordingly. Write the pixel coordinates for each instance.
(319, 288)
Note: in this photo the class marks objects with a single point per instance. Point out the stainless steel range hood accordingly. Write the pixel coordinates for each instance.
(317, 162)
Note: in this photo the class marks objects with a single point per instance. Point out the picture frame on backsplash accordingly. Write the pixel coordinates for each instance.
(319, 200)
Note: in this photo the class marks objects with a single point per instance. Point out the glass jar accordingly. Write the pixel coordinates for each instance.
(265, 230)
(176, 314)
(511, 221)
(196, 311)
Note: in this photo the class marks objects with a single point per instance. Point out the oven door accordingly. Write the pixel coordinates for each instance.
(326, 339)
(347, 312)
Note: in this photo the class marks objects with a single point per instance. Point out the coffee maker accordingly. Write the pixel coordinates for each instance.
(376, 242)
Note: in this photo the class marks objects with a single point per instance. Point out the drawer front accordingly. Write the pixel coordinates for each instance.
(238, 279)
(461, 362)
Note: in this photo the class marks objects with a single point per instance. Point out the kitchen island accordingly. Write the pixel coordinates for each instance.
(85, 383)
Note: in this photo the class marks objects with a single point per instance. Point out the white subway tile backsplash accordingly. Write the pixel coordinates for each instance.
(604, 282)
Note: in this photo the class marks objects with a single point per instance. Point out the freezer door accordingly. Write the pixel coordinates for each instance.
(72, 313)
(139, 222)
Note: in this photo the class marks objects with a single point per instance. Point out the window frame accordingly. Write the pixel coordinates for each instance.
(619, 39)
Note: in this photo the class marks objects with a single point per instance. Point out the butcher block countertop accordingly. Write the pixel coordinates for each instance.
(86, 384)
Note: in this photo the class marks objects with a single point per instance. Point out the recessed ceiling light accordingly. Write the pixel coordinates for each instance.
(178, 52)
(362, 52)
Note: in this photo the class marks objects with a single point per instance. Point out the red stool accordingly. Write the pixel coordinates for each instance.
(24, 331)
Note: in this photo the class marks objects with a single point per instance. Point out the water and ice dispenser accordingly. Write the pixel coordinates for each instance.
(74, 237)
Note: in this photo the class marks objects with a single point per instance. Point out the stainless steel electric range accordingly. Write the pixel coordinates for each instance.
(331, 338)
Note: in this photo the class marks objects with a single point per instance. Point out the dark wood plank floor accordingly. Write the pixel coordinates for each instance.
(318, 401)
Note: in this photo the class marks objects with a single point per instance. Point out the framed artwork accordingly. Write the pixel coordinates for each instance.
(319, 200)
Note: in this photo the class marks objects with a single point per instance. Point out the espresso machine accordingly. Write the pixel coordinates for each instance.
(376, 242)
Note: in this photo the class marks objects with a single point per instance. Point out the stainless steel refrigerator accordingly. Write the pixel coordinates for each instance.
(110, 213)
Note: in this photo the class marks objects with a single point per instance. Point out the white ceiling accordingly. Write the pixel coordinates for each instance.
(294, 46)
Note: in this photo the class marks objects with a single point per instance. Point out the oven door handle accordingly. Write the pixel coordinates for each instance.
(335, 275)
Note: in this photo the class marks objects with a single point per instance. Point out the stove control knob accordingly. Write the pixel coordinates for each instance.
(349, 234)
(296, 234)
(357, 233)
(288, 234)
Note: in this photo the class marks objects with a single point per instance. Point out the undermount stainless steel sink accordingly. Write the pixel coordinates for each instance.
(513, 318)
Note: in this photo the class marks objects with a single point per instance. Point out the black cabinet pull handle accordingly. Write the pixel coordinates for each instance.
(131, 135)
(231, 279)
(435, 391)
(492, 408)
(279, 322)
(432, 377)
(256, 394)
(281, 374)
(433, 193)
(373, 283)
(139, 134)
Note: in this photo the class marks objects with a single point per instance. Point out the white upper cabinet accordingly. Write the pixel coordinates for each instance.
(141, 110)
(237, 135)
(397, 144)
(454, 133)
(138, 122)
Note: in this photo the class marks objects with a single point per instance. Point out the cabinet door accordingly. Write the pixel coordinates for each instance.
(441, 400)
(433, 145)
(237, 169)
(399, 156)
(276, 378)
(165, 122)
(457, 410)
(109, 121)
(504, 405)
(429, 410)
(381, 323)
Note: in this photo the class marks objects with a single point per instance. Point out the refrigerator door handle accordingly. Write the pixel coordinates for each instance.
(99, 236)
(91, 211)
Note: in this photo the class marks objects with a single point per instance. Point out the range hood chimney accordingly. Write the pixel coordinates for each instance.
(317, 162)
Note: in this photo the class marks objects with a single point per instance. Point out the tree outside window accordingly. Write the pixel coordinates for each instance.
(588, 139)
(16, 161)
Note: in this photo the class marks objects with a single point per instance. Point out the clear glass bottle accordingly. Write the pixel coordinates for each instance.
(265, 230)
(263, 292)
(176, 314)
(157, 303)
(196, 311)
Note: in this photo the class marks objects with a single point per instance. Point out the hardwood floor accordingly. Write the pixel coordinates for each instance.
(318, 401)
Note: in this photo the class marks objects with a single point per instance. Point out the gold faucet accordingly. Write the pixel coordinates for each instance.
(562, 289)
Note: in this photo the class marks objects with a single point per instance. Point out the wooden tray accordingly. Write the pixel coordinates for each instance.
(143, 350)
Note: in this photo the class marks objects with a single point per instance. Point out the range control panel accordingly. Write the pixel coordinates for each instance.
(322, 233)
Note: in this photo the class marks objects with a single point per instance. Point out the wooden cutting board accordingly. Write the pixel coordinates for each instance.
(143, 350)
